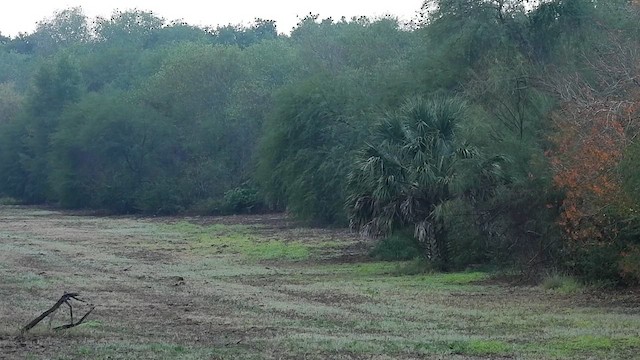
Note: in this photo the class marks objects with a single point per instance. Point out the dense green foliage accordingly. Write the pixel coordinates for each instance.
(409, 173)
(464, 130)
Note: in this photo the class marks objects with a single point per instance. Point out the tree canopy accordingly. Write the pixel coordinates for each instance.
(488, 131)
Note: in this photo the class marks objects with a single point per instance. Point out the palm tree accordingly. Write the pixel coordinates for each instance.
(409, 173)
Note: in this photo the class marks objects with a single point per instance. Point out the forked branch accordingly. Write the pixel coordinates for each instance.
(65, 299)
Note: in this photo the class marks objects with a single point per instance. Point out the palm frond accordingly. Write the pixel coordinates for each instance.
(408, 172)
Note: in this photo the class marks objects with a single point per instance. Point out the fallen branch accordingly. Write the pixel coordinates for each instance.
(63, 300)
(67, 326)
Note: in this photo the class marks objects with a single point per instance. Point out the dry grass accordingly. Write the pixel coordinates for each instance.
(260, 288)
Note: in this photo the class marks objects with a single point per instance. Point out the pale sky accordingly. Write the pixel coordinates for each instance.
(21, 15)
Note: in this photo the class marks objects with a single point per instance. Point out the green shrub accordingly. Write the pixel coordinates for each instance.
(398, 246)
(207, 207)
(241, 200)
(468, 246)
(596, 263)
(561, 282)
(9, 201)
(160, 198)
(629, 265)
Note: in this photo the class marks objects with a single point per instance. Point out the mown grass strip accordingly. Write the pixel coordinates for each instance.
(239, 239)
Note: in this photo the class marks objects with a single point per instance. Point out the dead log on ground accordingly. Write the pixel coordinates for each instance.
(63, 300)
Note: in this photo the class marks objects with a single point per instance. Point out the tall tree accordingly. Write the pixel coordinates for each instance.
(56, 85)
(107, 152)
(66, 28)
(11, 102)
(134, 28)
(11, 173)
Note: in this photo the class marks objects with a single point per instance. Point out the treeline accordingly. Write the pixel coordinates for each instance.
(492, 131)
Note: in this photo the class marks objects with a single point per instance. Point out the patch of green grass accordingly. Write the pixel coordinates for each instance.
(586, 343)
(632, 342)
(273, 250)
(167, 348)
(238, 239)
(370, 344)
(416, 266)
(27, 280)
(151, 350)
(461, 278)
(361, 269)
(329, 245)
(92, 324)
(357, 345)
(561, 283)
(9, 201)
(400, 273)
(480, 347)
(570, 346)
(185, 227)
(593, 343)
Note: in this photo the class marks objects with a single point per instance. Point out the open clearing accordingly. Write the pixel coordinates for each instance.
(258, 287)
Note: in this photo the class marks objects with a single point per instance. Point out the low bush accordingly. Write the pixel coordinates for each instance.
(9, 201)
(561, 282)
(597, 262)
(398, 246)
(241, 200)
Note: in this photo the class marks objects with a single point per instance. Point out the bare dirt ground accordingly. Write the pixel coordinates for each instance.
(260, 287)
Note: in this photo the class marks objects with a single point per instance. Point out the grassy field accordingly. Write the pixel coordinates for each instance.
(260, 288)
